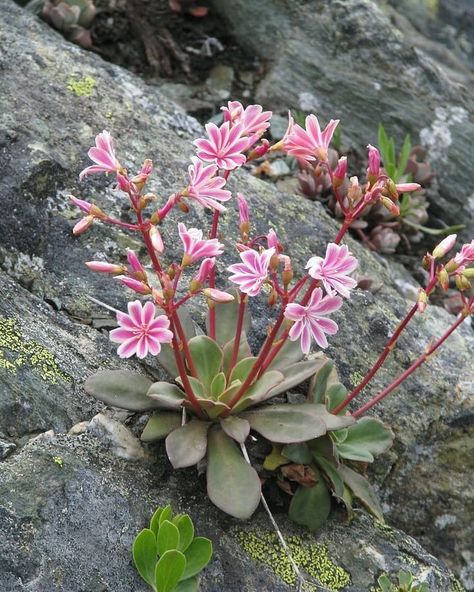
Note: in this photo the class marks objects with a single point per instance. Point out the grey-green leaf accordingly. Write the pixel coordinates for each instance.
(296, 374)
(169, 570)
(198, 555)
(207, 357)
(144, 555)
(321, 381)
(166, 357)
(310, 506)
(287, 423)
(232, 484)
(333, 422)
(160, 425)
(368, 437)
(236, 427)
(226, 319)
(288, 355)
(362, 490)
(166, 395)
(244, 352)
(121, 388)
(187, 445)
(260, 390)
(167, 538)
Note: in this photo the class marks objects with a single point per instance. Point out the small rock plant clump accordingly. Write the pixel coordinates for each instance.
(217, 401)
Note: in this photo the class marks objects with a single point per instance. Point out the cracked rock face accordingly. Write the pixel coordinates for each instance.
(46, 354)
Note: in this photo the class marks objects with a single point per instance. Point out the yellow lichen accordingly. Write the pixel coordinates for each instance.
(312, 558)
(81, 87)
(16, 351)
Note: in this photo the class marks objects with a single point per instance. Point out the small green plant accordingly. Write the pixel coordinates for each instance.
(168, 556)
(405, 583)
(394, 165)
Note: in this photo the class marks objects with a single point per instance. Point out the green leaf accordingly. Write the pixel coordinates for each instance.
(310, 506)
(244, 352)
(384, 583)
(121, 388)
(197, 386)
(235, 427)
(168, 537)
(187, 445)
(321, 381)
(288, 355)
(335, 395)
(330, 470)
(226, 319)
(403, 158)
(362, 490)
(198, 555)
(230, 391)
(165, 515)
(383, 141)
(169, 570)
(391, 165)
(405, 578)
(207, 357)
(190, 585)
(276, 459)
(297, 453)
(435, 231)
(287, 423)
(333, 422)
(368, 437)
(155, 521)
(232, 484)
(218, 385)
(296, 374)
(166, 395)
(160, 425)
(144, 555)
(242, 369)
(260, 390)
(185, 527)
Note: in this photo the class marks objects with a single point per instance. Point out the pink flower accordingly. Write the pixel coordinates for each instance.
(374, 163)
(340, 171)
(310, 143)
(103, 154)
(310, 321)
(272, 241)
(251, 274)
(333, 270)
(224, 146)
(205, 270)
(195, 247)
(253, 119)
(205, 187)
(140, 332)
(466, 254)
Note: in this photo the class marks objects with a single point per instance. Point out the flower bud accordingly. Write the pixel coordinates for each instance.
(444, 246)
(354, 193)
(272, 298)
(259, 151)
(123, 183)
(340, 172)
(443, 278)
(426, 262)
(104, 267)
(217, 295)
(87, 207)
(157, 297)
(244, 216)
(422, 300)
(83, 225)
(135, 285)
(391, 188)
(183, 207)
(171, 272)
(205, 270)
(462, 282)
(391, 207)
(451, 265)
(142, 177)
(469, 272)
(407, 187)
(374, 164)
(156, 239)
(134, 263)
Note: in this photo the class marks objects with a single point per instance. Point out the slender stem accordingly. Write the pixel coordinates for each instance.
(383, 356)
(238, 332)
(274, 351)
(339, 199)
(212, 279)
(374, 400)
(184, 342)
(110, 220)
(342, 231)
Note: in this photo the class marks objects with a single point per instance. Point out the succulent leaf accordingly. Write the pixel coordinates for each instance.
(185, 527)
(166, 395)
(295, 374)
(310, 506)
(207, 357)
(144, 555)
(368, 437)
(169, 570)
(232, 484)
(244, 352)
(187, 445)
(198, 555)
(121, 388)
(362, 490)
(167, 538)
(236, 427)
(160, 425)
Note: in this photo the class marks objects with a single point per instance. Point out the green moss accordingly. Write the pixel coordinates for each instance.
(386, 530)
(15, 352)
(311, 557)
(355, 378)
(456, 585)
(81, 87)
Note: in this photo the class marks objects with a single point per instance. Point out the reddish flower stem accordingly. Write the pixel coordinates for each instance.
(274, 352)
(110, 220)
(383, 356)
(339, 199)
(238, 331)
(374, 400)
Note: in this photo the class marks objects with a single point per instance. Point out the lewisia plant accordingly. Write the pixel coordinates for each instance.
(216, 401)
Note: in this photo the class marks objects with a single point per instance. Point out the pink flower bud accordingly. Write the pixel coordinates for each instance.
(83, 225)
(205, 269)
(407, 187)
(156, 240)
(135, 285)
(134, 263)
(261, 150)
(123, 182)
(340, 171)
(374, 164)
(104, 267)
(218, 295)
(85, 206)
(272, 241)
(422, 300)
(243, 209)
(444, 246)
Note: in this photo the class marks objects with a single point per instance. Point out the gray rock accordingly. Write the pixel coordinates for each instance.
(70, 509)
(347, 60)
(47, 129)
